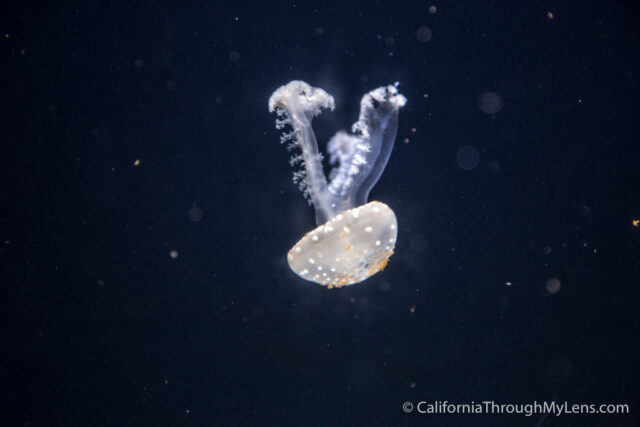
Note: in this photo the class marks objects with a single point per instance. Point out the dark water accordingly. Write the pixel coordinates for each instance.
(147, 207)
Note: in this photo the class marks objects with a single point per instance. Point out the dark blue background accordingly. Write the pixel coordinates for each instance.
(100, 326)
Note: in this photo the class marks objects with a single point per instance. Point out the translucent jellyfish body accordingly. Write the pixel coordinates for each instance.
(354, 239)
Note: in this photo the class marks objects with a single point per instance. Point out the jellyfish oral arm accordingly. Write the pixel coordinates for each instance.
(364, 233)
(296, 104)
(359, 158)
(375, 129)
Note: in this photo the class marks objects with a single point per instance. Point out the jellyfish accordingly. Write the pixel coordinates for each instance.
(354, 238)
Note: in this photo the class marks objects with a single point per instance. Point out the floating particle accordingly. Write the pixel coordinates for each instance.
(490, 102)
(550, 16)
(432, 9)
(553, 285)
(194, 214)
(494, 166)
(137, 162)
(423, 34)
(173, 254)
(468, 157)
(139, 63)
(636, 223)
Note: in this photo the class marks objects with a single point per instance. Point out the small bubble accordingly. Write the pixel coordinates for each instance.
(389, 41)
(194, 214)
(468, 157)
(585, 210)
(546, 250)
(494, 166)
(432, 9)
(102, 282)
(423, 34)
(139, 63)
(234, 56)
(490, 102)
(553, 285)
(412, 384)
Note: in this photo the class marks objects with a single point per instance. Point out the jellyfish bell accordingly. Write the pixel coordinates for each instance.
(348, 248)
(354, 239)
